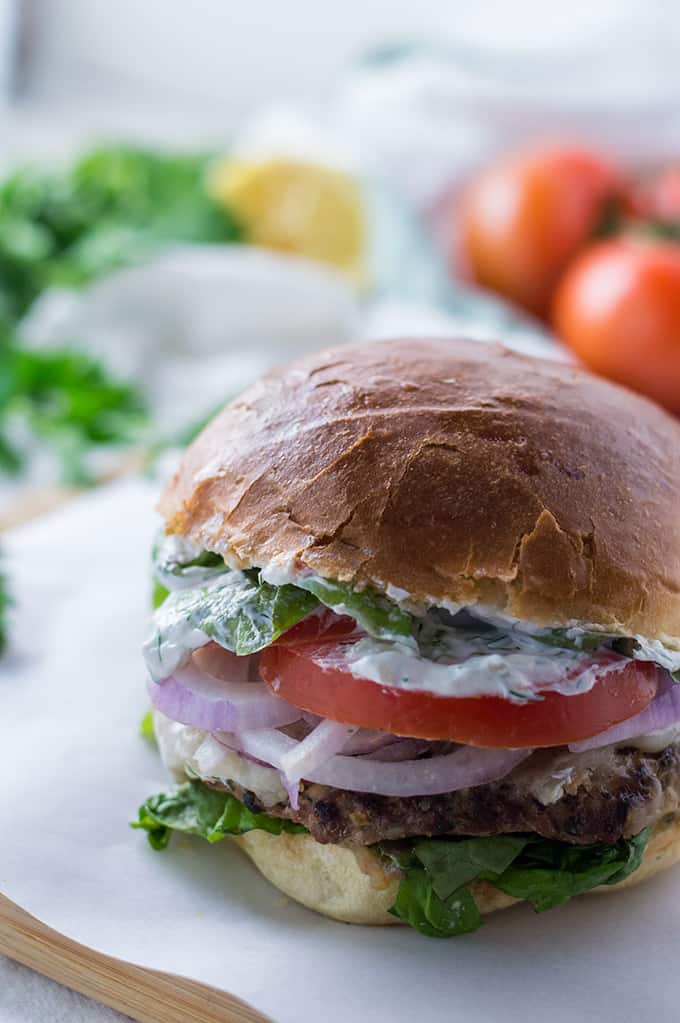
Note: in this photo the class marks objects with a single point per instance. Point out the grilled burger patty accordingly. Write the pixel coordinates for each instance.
(600, 796)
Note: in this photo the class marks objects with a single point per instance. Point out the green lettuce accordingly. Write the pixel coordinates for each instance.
(572, 639)
(237, 611)
(434, 896)
(195, 809)
(158, 594)
(373, 612)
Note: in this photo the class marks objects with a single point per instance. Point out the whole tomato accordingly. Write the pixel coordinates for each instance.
(526, 216)
(618, 308)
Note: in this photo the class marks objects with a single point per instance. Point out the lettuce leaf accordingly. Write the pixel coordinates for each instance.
(237, 611)
(376, 614)
(562, 638)
(434, 896)
(195, 809)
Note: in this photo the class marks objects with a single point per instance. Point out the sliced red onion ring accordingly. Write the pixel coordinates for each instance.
(194, 698)
(368, 740)
(402, 749)
(464, 768)
(322, 743)
(662, 712)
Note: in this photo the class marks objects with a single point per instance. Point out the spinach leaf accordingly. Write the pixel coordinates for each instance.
(376, 614)
(587, 641)
(454, 864)
(420, 907)
(550, 873)
(237, 611)
(195, 809)
(434, 897)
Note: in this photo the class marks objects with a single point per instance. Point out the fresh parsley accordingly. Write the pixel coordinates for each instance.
(115, 205)
(67, 400)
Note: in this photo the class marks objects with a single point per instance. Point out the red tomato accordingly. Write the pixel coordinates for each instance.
(526, 216)
(618, 308)
(300, 673)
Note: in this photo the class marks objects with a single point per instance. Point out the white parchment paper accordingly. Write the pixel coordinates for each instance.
(74, 770)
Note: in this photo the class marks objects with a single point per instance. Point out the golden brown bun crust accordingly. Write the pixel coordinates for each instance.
(452, 470)
(330, 879)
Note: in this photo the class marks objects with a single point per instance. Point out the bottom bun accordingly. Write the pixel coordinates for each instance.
(353, 885)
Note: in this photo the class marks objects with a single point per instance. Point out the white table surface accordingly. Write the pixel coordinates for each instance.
(27, 997)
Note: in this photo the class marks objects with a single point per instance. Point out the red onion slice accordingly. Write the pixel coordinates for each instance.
(322, 743)
(194, 698)
(402, 749)
(368, 740)
(464, 768)
(662, 712)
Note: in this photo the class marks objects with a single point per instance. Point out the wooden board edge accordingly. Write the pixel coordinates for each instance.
(148, 996)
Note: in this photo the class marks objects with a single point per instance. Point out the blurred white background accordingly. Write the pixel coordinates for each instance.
(237, 54)
(607, 70)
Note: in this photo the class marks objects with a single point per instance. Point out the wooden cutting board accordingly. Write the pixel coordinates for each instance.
(146, 995)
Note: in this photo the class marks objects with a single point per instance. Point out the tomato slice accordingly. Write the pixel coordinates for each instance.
(299, 672)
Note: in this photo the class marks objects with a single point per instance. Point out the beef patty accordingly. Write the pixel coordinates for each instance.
(599, 796)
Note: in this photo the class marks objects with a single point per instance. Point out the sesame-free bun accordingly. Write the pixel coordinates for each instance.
(332, 880)
(452, 470)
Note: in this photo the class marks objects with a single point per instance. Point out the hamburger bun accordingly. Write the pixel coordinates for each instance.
(336, 882)
(452, 471)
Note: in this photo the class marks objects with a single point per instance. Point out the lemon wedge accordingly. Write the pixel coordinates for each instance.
(295, 206)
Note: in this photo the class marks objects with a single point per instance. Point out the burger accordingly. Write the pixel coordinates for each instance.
(416, 634)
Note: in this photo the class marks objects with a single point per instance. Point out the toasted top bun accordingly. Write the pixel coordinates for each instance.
(452, 470)
(355, 887)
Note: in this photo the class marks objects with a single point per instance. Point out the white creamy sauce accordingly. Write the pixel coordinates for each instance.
(174, 551)
(665, 654)
(179, 549)
(165, 654)
(513, 675)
